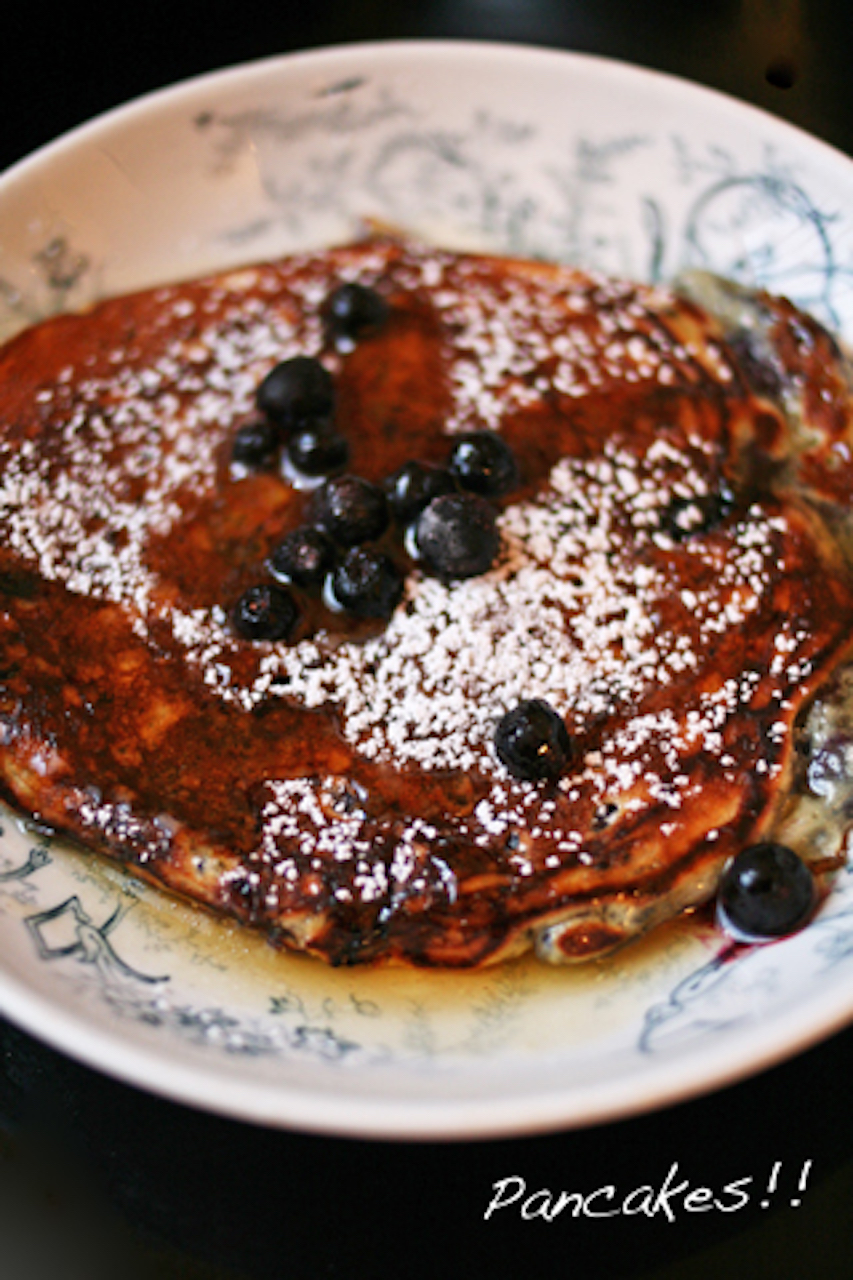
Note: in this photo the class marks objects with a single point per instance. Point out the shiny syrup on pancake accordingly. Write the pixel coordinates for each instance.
(340, 791)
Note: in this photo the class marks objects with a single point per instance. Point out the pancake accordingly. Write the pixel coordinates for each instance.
(673, 579)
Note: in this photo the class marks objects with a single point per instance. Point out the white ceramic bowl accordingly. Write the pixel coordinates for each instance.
(472, 145)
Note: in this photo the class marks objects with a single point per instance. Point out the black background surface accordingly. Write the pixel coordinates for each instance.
(101, 1180)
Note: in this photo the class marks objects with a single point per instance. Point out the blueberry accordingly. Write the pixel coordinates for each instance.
(265, 612)
(296, 392)
(304, 557)
(318, 450)
(413, 486)
(353, 311)
(766, 891)
(352, 510)
(685, 517)
(367, 583)
(484, 463)
(456, 536)
(254, 443)
(532, 741)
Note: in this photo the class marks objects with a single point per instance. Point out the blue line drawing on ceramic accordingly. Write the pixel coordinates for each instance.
(733, 989)
(654, 224)
(727, 231)
(324, 173)
(60, 269)
(37, 857)
(582, 219)
(442, 173)
(212, 1027)
(208, 1026)
(759, 225)
(312, 1030)
(835, 940)
(700, 1004)
(289, 1001)
(68, 930)
(61, 266)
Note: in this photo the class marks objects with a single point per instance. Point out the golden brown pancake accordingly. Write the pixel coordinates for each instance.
(672, 580)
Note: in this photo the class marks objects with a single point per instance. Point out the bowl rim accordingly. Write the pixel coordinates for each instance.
(350, 1114)
(387, 51)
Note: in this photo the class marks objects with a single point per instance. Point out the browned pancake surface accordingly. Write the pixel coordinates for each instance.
(341, 791)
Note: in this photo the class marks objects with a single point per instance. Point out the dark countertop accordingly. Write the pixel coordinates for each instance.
(98, 1179)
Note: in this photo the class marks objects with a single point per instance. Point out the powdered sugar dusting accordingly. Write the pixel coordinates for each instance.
(570, 614)
(598, 603)
(131, 440)
(543, 333)
(573, 611)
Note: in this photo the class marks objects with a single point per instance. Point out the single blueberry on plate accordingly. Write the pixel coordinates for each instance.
(265, 612)
(766, 891)
(296, 392)
(367, 583)
(318, 450)
(351, 510)
(532, 742)
(354, 310)
(456, 536)
(304, 557)
(483, 463)
(413, 486)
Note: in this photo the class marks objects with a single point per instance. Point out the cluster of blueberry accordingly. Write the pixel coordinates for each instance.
(297, 398)
(446, 515)
(446, 512)
(453, 534)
